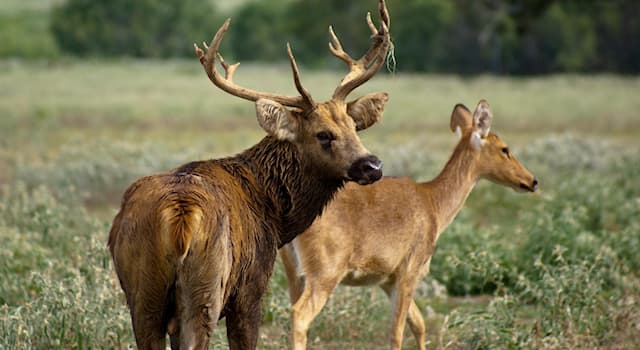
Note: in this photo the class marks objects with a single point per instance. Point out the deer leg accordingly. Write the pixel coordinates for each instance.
(415, 319)
(295, 282)
(174, 340)
(243, 323)
(244, 310)
(200, 292)
(416, 323)
(201, 306)
(148, 325)
(401, 295)
(314, 296)
(148, 296)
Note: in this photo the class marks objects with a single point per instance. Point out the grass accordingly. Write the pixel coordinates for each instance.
(556, 270)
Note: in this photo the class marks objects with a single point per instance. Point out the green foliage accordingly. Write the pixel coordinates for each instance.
(567, 306)
(419, 35)
(56, 290)
(558, 269)
(73, 302)
(566, 260)
(258, 31)
(98, 172)
(26, 34)
(583, 211)
(462, 37)
(147, 28)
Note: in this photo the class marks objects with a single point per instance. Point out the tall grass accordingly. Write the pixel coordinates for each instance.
(556, 270)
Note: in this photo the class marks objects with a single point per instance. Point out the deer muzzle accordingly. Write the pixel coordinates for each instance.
(366, 170)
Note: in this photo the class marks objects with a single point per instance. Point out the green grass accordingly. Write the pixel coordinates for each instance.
(558, 269)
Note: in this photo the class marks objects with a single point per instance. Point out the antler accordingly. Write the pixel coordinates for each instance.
(362, 70)
(208, 60)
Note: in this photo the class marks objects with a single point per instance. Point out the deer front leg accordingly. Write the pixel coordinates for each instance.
(244, 311)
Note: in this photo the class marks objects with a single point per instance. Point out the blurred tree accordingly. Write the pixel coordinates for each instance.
(309, 20)
(457, 36)
(565, 42)
(617, 27)
(144, 28)
(257, 31)
(419, 33)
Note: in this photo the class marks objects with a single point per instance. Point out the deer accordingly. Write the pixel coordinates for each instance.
(385, 234)
(198, 243)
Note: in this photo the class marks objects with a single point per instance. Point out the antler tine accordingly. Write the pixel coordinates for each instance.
(228, 69)
(296, 78)
(208, 60)
(335, 47)
(362, 70)
(372, 26)
(384, 16)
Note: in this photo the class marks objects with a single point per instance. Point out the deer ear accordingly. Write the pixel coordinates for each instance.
(482, 118)
(276, 119)
(461, 119)
(368, 109)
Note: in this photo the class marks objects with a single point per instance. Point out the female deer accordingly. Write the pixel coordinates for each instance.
(385, 234)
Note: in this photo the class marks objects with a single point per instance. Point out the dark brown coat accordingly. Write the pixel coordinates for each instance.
(223, 221)
(199, 242)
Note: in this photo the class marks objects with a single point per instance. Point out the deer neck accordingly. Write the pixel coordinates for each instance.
(447, 192)
(293, 189)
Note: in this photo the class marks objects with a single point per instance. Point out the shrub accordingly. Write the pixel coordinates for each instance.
(26, 35)
(145, 28)
(82, 309)
(568, 306)
(99, 172)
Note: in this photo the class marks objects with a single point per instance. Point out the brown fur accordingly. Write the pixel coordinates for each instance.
(211, 226)
(385, 234)
(199, 242)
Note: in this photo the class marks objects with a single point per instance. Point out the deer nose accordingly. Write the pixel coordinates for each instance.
(366, 170)
(373, 164)
(530, 188)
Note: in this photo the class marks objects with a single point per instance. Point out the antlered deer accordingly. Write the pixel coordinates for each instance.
(198, 243)
(385, 234)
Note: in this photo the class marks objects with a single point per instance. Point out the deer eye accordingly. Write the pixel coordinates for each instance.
(325, 137)
(505, 150)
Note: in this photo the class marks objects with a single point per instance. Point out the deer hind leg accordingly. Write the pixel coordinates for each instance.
(290, 263)
(200, 292)
(416, 323)
(243, 321)
(313, 298)
(149, 304)
(148, 292)
(401, 295)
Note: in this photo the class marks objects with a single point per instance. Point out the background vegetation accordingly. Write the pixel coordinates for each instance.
(554, 270)
(460, 36)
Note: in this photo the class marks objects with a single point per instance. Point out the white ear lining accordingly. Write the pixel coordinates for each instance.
(476, 140)
(285, 127)
(276, 119)
(458, 132)
(285, 135)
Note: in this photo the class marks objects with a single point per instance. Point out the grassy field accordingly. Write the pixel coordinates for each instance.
(556, 270)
